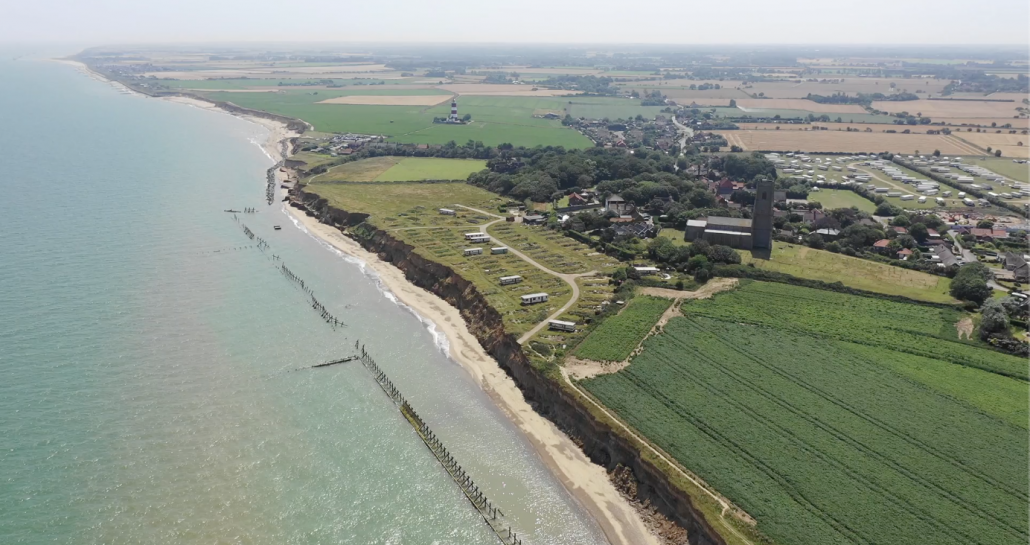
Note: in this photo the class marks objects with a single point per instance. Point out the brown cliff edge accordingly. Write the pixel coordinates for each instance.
(600, 442)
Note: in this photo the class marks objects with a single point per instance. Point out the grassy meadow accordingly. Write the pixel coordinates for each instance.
(836, 419)
(853, 272)
(496, 119)
(400, 169)
(842, 198)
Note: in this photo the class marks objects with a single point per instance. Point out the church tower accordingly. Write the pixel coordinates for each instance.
(762, 217)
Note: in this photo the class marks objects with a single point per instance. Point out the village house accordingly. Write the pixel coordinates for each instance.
(1018, 265)
(615, 203)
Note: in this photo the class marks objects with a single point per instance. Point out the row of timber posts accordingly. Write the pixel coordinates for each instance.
(493, 516)
(250, 234)
(315, 304)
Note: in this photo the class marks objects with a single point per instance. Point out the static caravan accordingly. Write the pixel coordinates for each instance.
(499, 250)
(969, 202)
(894, 194)
(838, 169)
(940, 201)
(559, 325)
(477, 234)
(509, 280)
(473, 251)
(961, 194)
(907, 197)
(822, 167)
(447, 212)
(947, 193)
(881, 190)
(480, 239)
(922, 200)
(534, 298)
(646, 270)
(852, 169)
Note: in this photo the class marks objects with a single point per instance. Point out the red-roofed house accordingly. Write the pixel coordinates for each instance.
(901, 230)
(904, 253)
(882, 243)
(933, 234)
(988, 234)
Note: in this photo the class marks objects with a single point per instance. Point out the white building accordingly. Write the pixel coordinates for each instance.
(534, 298)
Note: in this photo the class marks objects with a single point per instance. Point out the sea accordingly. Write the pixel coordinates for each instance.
(155, 380)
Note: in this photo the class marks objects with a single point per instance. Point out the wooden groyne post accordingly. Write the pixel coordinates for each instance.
(491, 514)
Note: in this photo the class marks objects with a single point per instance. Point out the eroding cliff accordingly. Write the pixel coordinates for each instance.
(599, 441)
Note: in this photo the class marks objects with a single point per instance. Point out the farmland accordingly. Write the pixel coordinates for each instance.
(619, 335)
(496, 119)
(1007, 143)
(842, 198)
(812, 412)
(853, 272)
(839, 141)
(401, 169)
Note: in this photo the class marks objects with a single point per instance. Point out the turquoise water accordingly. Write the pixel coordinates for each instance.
(147, 352)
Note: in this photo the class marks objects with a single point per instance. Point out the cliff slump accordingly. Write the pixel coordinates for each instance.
(601, 444)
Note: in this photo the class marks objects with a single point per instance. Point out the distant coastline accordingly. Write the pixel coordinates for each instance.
(620, 521)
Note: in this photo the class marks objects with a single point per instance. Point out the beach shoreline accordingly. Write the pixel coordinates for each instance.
(589, 483)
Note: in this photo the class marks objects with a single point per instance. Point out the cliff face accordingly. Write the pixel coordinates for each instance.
(599, 442)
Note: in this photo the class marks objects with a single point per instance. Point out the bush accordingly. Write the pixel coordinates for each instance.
(833, 247)
(994, 320)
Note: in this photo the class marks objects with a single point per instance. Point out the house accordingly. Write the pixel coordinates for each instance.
(988, 234)
(615, 203)
(1018, 265)
(577, 200)
(904, 253)
(947, 258)
(900, 230)
(632, 228)
(828, 234)
(882, 243)
(934, 235)
(533, 219)
(812, 216)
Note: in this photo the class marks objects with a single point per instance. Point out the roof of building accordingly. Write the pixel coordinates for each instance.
(829, 232)
(900, 230)
(696, 223)
(734, 233)
(904, 251)
(882, 243)
(614, 198)
(1016, 259)
(719, 221)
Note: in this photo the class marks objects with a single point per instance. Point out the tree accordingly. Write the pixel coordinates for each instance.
(466, 118)
(985, 224)
(815, 240)
(997, 153)
(970, 283)
(936, 153)
(919, 232)
(994, 320)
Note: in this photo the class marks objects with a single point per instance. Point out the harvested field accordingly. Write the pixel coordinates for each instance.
(1007, 143)
(839, 141)
(1020, 123)
(386, 100)
(486, 89)
(400, 169)
(948, 109)
(798, 104)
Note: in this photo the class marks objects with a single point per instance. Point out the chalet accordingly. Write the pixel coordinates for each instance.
(533, 298)
(559, 325)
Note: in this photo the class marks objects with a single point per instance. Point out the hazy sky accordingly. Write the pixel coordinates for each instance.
(553, 21)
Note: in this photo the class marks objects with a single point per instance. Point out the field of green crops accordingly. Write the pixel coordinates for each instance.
(617, 336)
(811, 411)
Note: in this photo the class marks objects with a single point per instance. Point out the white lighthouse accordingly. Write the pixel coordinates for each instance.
(454, 111)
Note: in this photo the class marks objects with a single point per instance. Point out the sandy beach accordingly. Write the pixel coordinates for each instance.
(588, 482)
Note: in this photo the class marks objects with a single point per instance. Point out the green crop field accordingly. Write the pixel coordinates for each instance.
(619, 335)
(853, 272)
(812, 412)
(495, 120)
(842, 198)
(610, 107)
(400, 169)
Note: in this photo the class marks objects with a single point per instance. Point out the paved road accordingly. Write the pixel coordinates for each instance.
(569, 279)
(687, 133)
(970, 257)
